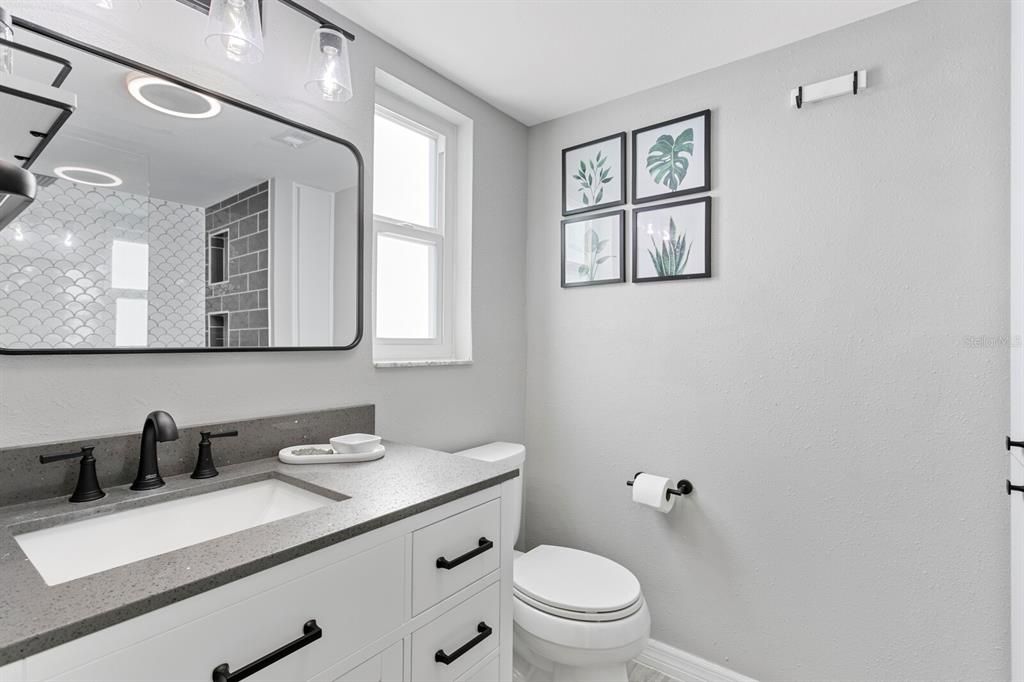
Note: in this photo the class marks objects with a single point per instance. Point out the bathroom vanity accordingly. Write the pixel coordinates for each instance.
(398, 569)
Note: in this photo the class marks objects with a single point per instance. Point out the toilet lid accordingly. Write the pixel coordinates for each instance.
(575, 581)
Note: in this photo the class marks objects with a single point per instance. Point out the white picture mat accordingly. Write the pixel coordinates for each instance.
(613, 191)
(690, 219)
(610, 228)
(696, 172)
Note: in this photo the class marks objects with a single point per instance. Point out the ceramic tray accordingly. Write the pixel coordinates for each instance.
(324, 454)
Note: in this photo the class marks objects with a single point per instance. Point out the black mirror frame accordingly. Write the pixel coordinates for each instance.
(360, 204)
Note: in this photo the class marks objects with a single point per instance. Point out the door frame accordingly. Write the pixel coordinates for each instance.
(1016, 468)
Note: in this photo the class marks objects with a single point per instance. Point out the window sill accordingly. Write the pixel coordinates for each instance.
(388, 364)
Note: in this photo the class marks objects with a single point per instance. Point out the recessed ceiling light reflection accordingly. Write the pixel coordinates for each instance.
(170, 98)
(87, 176)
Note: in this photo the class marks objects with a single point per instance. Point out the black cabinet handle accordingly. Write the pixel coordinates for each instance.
(485, 631)
(310, 633)
(483, 544)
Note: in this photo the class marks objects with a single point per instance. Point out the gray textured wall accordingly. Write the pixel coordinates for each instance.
(245, 296)
(831, 391)
(45, 399)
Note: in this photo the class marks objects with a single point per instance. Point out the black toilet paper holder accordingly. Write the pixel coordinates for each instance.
(683, 487)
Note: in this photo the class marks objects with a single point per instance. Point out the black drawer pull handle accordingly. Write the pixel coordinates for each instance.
(485, 631)
(483, 544)
(310, 633)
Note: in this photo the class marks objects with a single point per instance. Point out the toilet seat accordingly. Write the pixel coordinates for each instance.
(576, 585)
(583, 616)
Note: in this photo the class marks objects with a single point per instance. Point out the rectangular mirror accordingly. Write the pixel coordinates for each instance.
(170, 218)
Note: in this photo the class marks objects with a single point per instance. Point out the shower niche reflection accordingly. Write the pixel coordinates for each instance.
(169, 219)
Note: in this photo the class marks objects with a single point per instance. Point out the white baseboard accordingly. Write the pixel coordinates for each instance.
(685, 667)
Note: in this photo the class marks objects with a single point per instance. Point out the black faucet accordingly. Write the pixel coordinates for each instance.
(159, 428)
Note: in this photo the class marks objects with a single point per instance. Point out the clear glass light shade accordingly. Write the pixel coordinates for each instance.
(234, 26)
(328, 74)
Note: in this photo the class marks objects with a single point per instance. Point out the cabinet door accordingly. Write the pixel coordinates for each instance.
(384, 667)
(353, 602)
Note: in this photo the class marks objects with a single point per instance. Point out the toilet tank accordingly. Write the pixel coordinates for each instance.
(514, 455)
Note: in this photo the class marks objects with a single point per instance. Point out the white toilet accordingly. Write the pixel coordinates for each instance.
(578, 616)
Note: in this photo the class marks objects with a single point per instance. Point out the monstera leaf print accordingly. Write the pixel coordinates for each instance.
(667, 160)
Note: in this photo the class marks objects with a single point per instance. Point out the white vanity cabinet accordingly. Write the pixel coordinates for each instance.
(425, 598)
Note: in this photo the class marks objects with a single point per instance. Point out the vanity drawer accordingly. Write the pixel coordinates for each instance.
(468, 543)
(368, 584)
(466, 635)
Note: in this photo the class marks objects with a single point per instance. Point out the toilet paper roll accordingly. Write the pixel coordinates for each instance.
(653, 491)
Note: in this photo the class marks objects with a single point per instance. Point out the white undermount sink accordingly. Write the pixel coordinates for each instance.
(72, 550)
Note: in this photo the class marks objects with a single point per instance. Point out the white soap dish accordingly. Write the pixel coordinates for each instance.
(325, 454)
(355, 442)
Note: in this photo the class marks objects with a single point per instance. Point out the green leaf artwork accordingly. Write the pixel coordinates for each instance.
(671, 258)
(593, 245)
(591, 176)
(667, 160)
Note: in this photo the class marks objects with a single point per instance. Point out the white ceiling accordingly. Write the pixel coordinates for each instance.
(540, 59)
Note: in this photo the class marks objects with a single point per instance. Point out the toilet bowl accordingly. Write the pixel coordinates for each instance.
(578, 617)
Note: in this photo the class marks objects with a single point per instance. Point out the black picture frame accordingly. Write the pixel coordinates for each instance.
(637, 212)
(566, 211)
(90, 49)
(621, 215)
(705, 187)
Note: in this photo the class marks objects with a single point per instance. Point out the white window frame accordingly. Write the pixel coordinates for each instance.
(442, 346)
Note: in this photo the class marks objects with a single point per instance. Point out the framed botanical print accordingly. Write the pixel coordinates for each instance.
(672, 158)
(594, 175)
(593, 249)
(672, 241)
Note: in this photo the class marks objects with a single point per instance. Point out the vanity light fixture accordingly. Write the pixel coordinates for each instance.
(328, 73)
(75, 173)
(170, 98)
(236, 27)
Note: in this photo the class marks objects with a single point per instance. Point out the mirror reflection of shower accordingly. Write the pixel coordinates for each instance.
(166, 218)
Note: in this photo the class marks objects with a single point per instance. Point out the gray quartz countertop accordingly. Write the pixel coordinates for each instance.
(35, 616)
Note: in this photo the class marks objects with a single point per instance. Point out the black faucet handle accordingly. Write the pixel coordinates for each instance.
(207, 435)
(84, 453)
(88, 487)
(204, 462)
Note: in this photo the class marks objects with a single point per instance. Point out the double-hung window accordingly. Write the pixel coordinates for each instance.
(414, 225)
